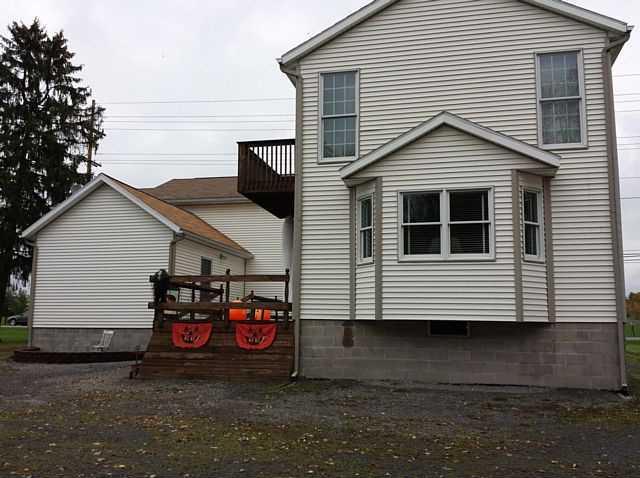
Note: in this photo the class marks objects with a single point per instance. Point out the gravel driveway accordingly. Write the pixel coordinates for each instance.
(92, 421)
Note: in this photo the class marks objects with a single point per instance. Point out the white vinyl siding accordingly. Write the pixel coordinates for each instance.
(188, 259)
(476, 59)
(256, 230)
(94, 264)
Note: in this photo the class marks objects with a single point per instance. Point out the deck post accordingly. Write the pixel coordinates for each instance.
(227, 297)
(286, 296)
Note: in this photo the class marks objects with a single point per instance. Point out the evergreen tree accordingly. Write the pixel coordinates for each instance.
(46, 126)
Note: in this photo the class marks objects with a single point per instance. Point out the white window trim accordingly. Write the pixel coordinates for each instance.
(582, 101)
(321, 117)
(365, 260)
(445, 247)
(540, 257)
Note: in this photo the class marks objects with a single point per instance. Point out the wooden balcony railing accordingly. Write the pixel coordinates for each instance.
(266, 166)
(266, 174)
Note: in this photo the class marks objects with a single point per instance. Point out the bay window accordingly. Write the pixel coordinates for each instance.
(446, 224)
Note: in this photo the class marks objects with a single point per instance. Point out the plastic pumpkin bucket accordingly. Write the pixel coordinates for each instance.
(237, 315)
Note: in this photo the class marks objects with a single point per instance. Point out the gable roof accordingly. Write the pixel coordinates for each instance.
(199, 191)
(557, 6)
(176, 219)
(466, 126)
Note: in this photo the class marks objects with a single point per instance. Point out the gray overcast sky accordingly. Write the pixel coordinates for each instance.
(205, 50)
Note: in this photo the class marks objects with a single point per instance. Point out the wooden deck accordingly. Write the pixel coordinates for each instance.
(221, 359)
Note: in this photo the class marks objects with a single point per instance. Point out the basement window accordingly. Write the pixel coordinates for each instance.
(449, 328)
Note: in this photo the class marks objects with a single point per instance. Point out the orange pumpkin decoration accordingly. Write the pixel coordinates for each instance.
(237, 315)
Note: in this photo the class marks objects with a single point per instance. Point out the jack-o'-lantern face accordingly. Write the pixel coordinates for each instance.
(191, 336)
(255, 337)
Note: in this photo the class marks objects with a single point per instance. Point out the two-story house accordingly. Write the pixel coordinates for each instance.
(456, 211)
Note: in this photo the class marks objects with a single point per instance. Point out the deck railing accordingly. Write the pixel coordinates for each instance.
(266, 166)
(215, 301)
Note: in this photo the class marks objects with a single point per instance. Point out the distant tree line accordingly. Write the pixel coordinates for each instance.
(632, 305)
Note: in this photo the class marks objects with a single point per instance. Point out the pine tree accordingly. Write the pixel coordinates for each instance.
(46, 126)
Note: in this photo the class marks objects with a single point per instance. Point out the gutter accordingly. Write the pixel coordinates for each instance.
(217, 245)
(172, 252)
(296, 79)
(614, 199)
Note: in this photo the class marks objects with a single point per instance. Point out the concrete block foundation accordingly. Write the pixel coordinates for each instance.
(83, 340)
(577, 355)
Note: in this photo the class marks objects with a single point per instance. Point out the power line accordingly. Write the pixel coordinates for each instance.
(197, 122)
(167, 154)
(272, 115)
(197, 129)
(626, 75)
(163, 102)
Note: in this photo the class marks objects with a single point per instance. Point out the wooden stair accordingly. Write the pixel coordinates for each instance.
(221, 358)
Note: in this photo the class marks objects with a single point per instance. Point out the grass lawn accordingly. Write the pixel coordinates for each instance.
(11, 338)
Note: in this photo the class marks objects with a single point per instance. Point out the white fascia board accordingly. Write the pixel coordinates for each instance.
(78, 196)
(581, 14)
(335, 30)
(61, 208)
(556, 6)
(456, 122)
(142, 205)
(217, 245)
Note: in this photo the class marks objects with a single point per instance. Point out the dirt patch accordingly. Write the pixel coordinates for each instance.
(91, 421)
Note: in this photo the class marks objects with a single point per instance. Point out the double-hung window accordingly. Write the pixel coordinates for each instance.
(561, 108)
(365, 229)
(449, 224)
(532, 216)
(339, 115)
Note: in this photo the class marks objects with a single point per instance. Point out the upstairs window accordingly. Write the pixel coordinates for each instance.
(561, 110)
(532, 218)
(446, 225)
(339, 115)
(365, 229)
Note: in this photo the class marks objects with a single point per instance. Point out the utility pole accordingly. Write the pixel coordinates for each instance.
(90, 152)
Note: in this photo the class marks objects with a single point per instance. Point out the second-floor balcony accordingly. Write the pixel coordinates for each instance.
(266, 174)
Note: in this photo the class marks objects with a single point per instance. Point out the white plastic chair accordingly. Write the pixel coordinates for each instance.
(105, 341)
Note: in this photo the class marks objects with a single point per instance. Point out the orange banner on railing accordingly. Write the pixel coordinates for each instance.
(191, 336)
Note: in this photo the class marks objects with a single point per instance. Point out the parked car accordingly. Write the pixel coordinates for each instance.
(17, 320)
